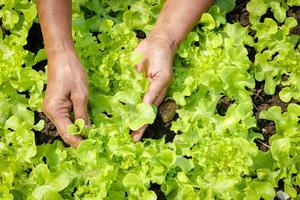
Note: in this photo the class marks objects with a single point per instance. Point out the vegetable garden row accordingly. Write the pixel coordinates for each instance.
(228, 129)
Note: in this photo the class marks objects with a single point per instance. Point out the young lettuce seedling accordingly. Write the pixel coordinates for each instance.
(78, 128)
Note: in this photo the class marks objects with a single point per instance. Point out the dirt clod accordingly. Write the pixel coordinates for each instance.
(49, 133)
(167, 111)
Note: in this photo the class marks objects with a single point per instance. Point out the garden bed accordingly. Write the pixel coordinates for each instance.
(196, 144)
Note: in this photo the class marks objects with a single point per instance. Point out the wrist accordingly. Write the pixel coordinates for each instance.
(162, 35)
(63, 52)
(163, 38)
(63, 58)
(62, 48)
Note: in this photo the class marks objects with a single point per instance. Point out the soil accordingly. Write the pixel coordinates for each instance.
(162, 123)
(156, 188)
(262, 101)
(4, 31)
(166, 112)
(295, 12)
(223, 105)
(49, 133)
(140, 34)
(239, 13)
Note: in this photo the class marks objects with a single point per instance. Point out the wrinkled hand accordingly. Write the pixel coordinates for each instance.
(67, 90)
(157, 64)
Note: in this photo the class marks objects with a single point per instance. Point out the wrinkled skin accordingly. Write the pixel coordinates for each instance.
(67, 87)
(67, 90)
(67, 83)
(157, 64)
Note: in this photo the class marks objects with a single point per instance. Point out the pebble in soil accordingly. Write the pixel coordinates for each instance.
(162, 123)
(280, 195)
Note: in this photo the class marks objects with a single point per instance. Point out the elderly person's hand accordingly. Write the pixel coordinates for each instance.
(157, 61)
(175, 21)
(67, 90)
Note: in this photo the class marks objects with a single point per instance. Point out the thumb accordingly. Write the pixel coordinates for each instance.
(156, 91)
(137, 135)
(58, 111)
(155, 95)
(62, 124)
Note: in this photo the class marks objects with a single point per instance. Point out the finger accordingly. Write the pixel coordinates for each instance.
(60, 116)
(80, 108)
(155, 95)
(156, 91)
(144, 64)
(137, 135)
(62, 124)
(142, 67)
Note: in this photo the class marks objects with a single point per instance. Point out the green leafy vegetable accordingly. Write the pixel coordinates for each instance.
(212, 156)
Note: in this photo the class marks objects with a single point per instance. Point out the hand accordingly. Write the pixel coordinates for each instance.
(157, 63)
(67, 90)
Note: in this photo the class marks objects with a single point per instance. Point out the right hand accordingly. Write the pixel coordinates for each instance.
(157, 64)
(67, 90)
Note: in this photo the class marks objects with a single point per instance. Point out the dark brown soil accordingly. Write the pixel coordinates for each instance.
(162, 123)
(297, 187)
(156, 188)
(140, 34)
(223, 105)
(251, 53)
(295, 12)
(262, 101)
(280, 185)
(49, 133)
(269, 14)
(239, 13)
(4, 31)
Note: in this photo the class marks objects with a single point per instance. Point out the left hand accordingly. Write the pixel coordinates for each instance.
(157, 64)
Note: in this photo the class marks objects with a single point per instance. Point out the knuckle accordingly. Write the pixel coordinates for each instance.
(81, 97)
(47, 107)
